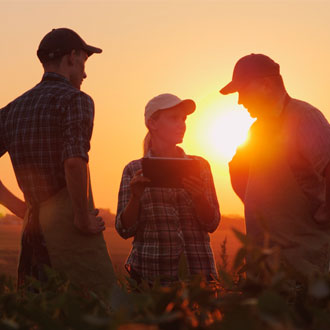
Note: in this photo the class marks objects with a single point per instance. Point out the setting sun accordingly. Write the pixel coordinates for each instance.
(221, 128)
(226, 131)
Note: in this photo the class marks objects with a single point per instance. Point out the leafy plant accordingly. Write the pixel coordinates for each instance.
(257, 292)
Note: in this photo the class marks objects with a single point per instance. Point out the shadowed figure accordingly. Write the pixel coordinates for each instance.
(170, 225)
(47, 133)
(282, 173)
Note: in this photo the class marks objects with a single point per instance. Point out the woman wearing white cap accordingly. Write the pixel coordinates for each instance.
(168, 224)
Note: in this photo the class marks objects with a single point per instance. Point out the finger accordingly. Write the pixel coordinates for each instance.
(194, 184)
(139, 172)
(194, 180)
(192, 188)
(101, 223)
(187, 183)
(140, 180)
(100, 229)
(94, 212)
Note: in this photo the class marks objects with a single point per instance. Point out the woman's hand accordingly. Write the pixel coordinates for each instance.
(194, 186)
(138, 184)
(131, 212)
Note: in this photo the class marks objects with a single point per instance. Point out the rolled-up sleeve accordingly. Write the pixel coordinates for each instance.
(211, 196)
(123, 199)
(78, 127)
(313, 139)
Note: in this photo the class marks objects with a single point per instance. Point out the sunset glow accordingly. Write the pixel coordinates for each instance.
(217, 128)
(225, 131)
(154, 47)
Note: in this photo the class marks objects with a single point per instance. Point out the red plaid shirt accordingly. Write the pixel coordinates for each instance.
(168, 226)
(41, 129)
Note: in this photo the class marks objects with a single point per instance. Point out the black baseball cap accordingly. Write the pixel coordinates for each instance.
(62, 41)
(248, 68)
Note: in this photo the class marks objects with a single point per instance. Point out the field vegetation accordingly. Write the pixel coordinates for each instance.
(258, 295)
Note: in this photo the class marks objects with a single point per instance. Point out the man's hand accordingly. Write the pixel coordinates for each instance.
(89, 224)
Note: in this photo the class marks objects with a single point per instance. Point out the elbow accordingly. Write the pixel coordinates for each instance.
(73, 163)
(214, 223)
(122, 231)
(124, 234)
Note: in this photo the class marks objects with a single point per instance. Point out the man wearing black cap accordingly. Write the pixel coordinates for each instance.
(47, 133)
(282, 173)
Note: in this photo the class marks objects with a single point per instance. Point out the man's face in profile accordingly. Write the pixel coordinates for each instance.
(78, 73)
(254, 97)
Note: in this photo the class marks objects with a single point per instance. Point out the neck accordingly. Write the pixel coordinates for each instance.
(58, 70)
(161, 149)
(275, 105)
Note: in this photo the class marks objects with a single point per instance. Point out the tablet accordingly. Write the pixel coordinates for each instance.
(169, 172)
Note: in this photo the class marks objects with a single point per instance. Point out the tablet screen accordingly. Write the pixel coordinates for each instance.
(169, 172)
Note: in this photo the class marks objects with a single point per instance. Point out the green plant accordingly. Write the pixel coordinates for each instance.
(257, 293)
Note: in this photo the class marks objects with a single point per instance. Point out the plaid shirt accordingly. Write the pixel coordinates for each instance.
(40, 129)
(168, 226)
(306, 136)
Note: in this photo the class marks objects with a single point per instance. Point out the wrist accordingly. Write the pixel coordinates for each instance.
(81, 217)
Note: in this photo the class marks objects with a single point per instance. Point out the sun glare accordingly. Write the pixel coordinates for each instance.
(227, 131)
(221, 128)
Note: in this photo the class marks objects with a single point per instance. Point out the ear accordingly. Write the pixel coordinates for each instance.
(267, 83)
(152, 124)
(71, 57)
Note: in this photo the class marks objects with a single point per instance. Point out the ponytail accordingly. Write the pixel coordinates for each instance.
(146, 144)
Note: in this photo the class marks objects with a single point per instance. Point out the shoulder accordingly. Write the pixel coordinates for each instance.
(77, 96)
(203, 162)
(132, 167)
(304, 112)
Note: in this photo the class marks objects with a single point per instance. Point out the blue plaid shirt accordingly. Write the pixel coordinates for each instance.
(40, 129)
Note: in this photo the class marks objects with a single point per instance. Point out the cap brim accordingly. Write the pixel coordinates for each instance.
(229, 88)
(92, 50)
(188, 105)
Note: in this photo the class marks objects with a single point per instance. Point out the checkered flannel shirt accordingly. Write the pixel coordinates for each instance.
(168, 226)
(41, 129)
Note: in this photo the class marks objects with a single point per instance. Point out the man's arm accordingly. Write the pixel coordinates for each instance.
(239, 166)
(11, 202)
(77, 180)
(327, 189)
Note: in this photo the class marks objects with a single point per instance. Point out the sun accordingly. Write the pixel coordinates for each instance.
(219, 128)
(226, 131)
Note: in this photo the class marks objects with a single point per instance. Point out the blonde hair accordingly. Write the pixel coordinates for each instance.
(147, 138)
(146, 143)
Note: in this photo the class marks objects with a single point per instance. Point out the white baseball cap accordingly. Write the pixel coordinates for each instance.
(166, 101)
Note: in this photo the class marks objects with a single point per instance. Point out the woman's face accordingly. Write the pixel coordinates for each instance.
(169, 125)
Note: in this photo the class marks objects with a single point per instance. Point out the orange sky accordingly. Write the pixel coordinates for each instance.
(187, 48)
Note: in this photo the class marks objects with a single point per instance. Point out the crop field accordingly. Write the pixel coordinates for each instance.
(260, 297)
(118, 247)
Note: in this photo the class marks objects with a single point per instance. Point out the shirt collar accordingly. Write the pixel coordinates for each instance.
(282, 103)
(52, 76)
(180, 151)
